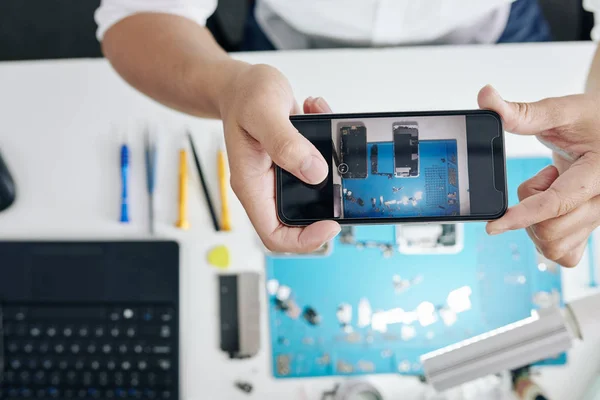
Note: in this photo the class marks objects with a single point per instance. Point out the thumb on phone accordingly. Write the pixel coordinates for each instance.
(532, 118)
(289, 149)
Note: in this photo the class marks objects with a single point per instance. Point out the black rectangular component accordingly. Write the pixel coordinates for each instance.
(228, 312)
(374, 159)
(353, 147)
(406, 150)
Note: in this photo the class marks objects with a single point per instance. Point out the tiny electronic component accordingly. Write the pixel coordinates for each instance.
(353, 337)
(344, 315)
(366, 366)
(347, 234)
(282, 305)
(311, 316)
(283, 364)
(453, 176)
(404, 366)
(374, 160)
(324, 359)
(386, 353)
(545, 299)
(244, 386)
(308, 341)
(344, 368)
(293, 310)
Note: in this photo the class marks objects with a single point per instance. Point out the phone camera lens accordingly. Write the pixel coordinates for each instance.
(343, 168)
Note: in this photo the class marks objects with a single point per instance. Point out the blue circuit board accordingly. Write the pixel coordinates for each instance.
(437, 184)
(502, 274)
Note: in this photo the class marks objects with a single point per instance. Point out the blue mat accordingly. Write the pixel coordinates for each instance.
(437, 159)
(501, 273)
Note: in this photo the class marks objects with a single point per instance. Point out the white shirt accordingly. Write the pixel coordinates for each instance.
(292, 24)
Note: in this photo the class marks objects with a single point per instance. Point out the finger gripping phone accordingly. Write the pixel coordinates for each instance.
(446, 166)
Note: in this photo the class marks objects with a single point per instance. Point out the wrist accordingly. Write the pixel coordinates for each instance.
(207, 84)
(227, 73)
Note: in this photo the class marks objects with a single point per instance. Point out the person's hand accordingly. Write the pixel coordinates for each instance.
(560, 206)
(255, 112)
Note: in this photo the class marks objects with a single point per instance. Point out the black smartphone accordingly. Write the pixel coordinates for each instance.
(446, 166)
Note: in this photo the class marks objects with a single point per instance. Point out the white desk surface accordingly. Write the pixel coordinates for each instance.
(55, 134)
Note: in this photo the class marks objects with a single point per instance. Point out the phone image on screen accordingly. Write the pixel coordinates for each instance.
(400, 168)
(353, 148)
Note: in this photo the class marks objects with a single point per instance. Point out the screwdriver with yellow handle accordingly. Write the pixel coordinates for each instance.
(182, 220)
(222, 167)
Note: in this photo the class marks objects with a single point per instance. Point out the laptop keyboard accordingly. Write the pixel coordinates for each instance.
(88, 352)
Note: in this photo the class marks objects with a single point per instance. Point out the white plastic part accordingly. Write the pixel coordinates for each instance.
(586, 315)
(364, 313)
(283, 293)
(546, 333)
(344, 314)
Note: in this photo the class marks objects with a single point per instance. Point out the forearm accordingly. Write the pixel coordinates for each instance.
(173, 60)
(593, 80)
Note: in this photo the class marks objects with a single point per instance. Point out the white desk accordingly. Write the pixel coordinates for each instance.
(55, 133)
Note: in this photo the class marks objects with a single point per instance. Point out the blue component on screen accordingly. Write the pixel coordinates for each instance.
(434, 192)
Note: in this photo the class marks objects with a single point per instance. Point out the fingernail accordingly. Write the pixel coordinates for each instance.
(333, 234)
(310, 99)
(496, 231)
(322, 104)
(314, 169)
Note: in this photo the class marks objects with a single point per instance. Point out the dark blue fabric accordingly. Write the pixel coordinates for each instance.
(526, 23)
(254, 37)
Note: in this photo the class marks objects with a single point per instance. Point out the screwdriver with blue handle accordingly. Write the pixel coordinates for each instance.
(124, 182)
(150, 149)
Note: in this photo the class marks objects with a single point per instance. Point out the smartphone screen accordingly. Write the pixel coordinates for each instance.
(400, 167)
